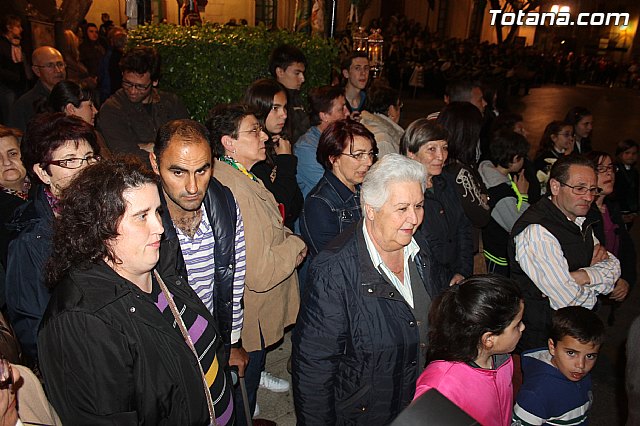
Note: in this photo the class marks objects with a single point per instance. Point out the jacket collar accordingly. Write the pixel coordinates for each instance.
(340, 188)
(33, 211)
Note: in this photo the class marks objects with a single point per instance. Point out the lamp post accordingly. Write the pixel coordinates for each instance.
(360, 43)
(375, 48)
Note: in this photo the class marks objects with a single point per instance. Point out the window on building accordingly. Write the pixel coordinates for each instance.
(266, 12)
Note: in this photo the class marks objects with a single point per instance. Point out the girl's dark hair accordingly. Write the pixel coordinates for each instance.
(259, 96)
(576, 114)
(92, 208)
(463, 313)
(625, 145)
(419, 133)
(553, 128)
(64, 93)
(337, 136)
(463, 121)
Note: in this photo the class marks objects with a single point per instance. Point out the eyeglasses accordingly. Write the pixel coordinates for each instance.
(6, 375)
(75, 163)
(362, 156)
(256, 130)
(609, 168)
(129, 85)
(565, 134)
(52, 65)
(582, 190)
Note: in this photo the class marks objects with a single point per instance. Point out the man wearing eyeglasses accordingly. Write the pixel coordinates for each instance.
(131, 117)
(50, 69)
(554, 256)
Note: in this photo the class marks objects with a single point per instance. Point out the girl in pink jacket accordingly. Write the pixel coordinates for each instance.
(473, 327)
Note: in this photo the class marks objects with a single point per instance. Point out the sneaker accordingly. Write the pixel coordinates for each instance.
(273, 383)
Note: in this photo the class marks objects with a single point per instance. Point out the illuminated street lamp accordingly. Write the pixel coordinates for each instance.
(360, 40)
(375, 44)
(560, 9)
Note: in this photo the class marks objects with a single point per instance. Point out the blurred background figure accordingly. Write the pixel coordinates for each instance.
(582, 121)
(71, 99)
(627, 184)
(382, 117)
(328, 104)
(557, 141)
(14, 71)
(76, 70)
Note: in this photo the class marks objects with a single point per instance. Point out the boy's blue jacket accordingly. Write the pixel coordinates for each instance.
(547, 396)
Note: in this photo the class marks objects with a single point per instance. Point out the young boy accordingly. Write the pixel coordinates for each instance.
(507, 187)
(557, 383)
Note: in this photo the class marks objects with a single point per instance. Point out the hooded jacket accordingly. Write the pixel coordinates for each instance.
(505, 211)
(546, 394)
(486, 395)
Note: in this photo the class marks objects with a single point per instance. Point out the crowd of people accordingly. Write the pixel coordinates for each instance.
(150, 262)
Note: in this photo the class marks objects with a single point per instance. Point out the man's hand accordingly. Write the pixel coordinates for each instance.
(456, 279)
(620, 290)
(239, 358)
(580, 277)
(599, 254)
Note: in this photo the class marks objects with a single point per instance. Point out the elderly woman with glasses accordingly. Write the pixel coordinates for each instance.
(346, 150)
(360, 340)
(271, 298)
(56, 149)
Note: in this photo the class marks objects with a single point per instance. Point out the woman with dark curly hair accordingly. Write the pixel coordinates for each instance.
(55, 149)
(125, 339)
(473, 327)
(268, 99)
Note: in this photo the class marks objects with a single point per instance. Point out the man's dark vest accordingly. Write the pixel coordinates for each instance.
(221, 211)
(577, 248)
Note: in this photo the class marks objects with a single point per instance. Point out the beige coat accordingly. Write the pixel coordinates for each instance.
(386, 132)
(271, 297)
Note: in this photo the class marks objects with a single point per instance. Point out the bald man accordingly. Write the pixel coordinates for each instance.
(50, 69)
